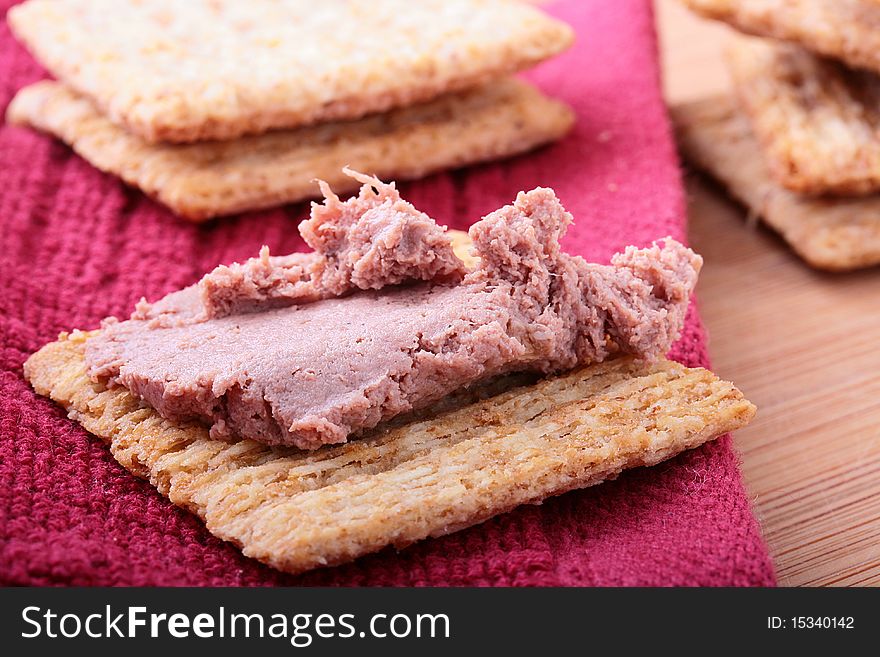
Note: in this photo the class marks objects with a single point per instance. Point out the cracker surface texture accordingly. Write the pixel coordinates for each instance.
(218, 69)
(842, 29)
(205, 180)
(432, 476)
(817, 120)
(836, 234)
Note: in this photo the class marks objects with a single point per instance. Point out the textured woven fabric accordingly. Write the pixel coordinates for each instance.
(76, 245)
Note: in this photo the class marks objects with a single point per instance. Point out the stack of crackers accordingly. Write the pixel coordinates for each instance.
(218, 106)
(799, 141)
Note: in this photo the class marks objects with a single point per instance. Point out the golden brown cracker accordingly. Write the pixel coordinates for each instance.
(830, 233)
(848, 30)
(430, 476)
(201, 181)
(817, 120)
(219, 69)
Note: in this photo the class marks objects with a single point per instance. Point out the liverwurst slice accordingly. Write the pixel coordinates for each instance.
(315, 373)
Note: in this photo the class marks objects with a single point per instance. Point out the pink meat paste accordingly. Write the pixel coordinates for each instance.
(372, 240)
(382, 318)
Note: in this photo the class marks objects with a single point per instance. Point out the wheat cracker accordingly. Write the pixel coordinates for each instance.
(817, 120)
(205, 180)
(219, 69)
(848, 30)
(832, 233)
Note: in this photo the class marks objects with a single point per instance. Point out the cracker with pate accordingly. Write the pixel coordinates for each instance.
(443, 391)
(428, 477)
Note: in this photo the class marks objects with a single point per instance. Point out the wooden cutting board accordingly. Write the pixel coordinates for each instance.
(802, 345)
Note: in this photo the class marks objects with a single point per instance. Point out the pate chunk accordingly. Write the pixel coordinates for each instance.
(365, 243)
(387, 327)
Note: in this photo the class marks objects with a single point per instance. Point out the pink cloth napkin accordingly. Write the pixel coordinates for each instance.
(76, 245)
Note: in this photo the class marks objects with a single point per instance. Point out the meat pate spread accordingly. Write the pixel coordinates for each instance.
(382, 318)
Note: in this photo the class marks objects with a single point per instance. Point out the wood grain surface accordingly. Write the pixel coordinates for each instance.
(803, 345)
